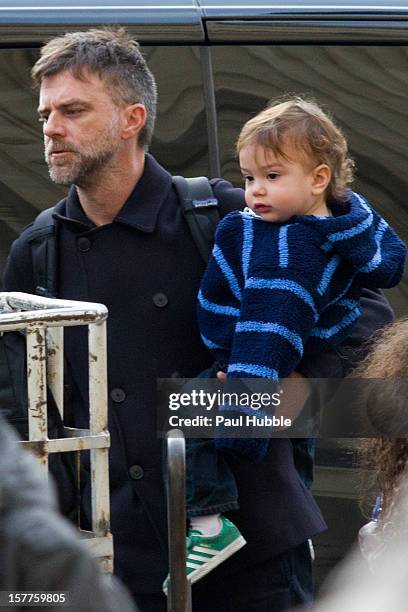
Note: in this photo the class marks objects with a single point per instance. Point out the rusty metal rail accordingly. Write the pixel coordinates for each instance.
(179, 595)
(43, 320)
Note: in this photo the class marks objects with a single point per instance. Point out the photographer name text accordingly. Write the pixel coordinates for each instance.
(243, 420)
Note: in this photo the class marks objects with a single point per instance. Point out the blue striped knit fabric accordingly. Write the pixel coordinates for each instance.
(270, 288)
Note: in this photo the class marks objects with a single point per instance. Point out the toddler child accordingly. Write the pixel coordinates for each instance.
(284, 280)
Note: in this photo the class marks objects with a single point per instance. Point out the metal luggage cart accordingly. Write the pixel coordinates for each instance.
(43, 321)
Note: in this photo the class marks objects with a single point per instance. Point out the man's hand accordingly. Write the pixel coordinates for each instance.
(295, 392)
(293, 396)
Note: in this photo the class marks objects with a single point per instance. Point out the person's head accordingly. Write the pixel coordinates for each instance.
(384, 384)
(96, 95)
(293, 158)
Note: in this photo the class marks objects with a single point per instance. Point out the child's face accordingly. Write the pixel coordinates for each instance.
(275, 188)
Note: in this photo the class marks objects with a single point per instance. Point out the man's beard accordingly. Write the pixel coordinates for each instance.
(83, 167)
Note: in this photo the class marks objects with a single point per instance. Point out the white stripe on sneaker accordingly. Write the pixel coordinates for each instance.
(209, 551)
(198, 558)
(193, 565)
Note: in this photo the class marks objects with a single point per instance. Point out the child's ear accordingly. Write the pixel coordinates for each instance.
(321, 176)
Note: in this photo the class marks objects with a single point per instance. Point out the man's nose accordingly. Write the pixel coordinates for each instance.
(54, 126)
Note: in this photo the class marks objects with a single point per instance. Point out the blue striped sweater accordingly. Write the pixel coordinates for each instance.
(269, 288)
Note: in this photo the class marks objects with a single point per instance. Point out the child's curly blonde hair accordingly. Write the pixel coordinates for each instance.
(301, 126)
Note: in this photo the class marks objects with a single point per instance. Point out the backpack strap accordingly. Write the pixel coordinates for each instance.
(43, 251)
(200, 209)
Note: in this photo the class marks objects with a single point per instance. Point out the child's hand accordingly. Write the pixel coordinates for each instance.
(221, 376)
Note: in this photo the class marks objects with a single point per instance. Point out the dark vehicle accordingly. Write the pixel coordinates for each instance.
(218, 63)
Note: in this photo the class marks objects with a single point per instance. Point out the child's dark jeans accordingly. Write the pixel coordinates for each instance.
(210, 484)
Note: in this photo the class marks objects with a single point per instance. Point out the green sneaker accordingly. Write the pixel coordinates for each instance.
(204, 553)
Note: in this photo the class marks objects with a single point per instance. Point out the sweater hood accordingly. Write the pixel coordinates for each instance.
(361, 237)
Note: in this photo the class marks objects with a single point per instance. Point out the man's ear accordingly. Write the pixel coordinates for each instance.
(321, 176)
(135, 118)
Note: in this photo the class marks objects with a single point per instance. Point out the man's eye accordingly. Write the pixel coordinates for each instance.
(272, 176)
(42, 119)
(73, 111)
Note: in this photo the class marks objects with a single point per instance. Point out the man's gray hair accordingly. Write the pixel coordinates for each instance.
(111, 54)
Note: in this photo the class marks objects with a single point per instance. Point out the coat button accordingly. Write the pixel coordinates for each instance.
(84, 244)
(118, 395)
(160, 300)
(136, 472)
